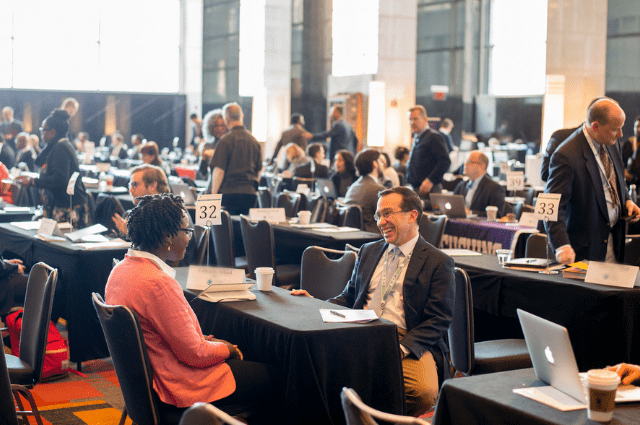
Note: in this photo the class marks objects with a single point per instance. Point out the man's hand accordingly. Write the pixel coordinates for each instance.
(565, 255)
(425, 187)
(120, 223)
(633, 210)
(628, 373)
(21, 268)
(300, 292)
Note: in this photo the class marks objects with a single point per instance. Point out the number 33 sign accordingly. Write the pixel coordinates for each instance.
(547, 206)
(208, 209)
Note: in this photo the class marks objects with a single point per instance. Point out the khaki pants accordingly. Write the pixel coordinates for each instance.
(420, 382)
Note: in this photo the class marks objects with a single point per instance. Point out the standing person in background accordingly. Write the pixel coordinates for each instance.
(236, 163)
(72, 106)
(632, 172)
(445, 128)
(429, 158)
(10, 127)
(294, 134)
(214, 128)
(341, 133)
(345, 172)
(196, 129)
(58, 161)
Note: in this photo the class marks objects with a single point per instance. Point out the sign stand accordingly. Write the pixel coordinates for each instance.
(546, 248)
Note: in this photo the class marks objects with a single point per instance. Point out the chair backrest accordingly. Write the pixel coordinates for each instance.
(538, 247)
(258, 245)
(128, 351)
(432, 228)
(290, 201)
(8, 414)
(461, 338)
(358, 413)
(222, 237)
(318, 209)
(37, 315)
(206, 414)
(323, 277)
(351, 216)
(349, 247)
(202, 249)
(310, 182)
(264, 197)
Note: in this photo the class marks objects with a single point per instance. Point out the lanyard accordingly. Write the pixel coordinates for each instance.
(387, 287)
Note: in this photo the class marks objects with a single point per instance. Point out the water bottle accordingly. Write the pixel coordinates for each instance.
(633, 195)
(102, 182)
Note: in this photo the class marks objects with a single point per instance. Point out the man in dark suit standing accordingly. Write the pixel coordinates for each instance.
(557, 137)
(587, 170)
(480, 191)
(429, 158)
(410, 283)
(341, 134)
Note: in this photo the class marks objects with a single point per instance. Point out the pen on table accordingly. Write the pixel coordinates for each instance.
(338, 314)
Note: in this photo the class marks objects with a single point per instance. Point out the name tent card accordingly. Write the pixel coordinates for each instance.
(272, 215)
(515, 180)
(547, 206)
(103, 166)
(611, 274)
(81, 235)
(208, 210)
(71, 187)
(528, 219)
(49, 227)
(303, 188)
(505, 168)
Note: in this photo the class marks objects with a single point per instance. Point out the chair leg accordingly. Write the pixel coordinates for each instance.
(123, 418)
(19, 390)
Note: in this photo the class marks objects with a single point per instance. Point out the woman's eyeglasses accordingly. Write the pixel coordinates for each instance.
(189, 232)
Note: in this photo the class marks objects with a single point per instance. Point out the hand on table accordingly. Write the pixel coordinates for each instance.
(628, 373)
(565, 255)
(300, 292)
(425, 187)
(21, 268)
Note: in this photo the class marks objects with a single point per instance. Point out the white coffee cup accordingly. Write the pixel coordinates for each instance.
(304, 217)
(492, 213)
(264, 277)
(601, 394)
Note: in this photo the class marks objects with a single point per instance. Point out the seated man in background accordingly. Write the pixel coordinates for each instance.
(314, 168)
(364, 191)
(25, 152)
(409, 282)
(145, 180)
(480, 191)
(118, 148)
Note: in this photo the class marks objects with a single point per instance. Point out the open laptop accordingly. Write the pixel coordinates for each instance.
(554, 362)
(184, 190)
(326, 187)
(451, 205)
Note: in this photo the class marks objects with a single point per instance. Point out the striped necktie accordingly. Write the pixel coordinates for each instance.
(611, 176)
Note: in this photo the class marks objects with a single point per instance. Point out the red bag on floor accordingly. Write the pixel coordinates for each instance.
(56, 358)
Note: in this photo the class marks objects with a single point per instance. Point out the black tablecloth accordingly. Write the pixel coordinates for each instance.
(601, 320)
(316, 359)
(489, 399)
(80, 272)
(6, 217)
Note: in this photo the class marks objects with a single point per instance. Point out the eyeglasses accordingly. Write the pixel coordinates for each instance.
(387, 214)
(42, 129)
(133, 185)
(189, 232)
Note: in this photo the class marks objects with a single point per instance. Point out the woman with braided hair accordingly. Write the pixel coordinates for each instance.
(188, 366)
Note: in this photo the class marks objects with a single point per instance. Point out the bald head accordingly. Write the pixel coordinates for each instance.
(232, 114)
(605, 119)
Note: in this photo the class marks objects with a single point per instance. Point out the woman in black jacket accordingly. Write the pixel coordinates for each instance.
(345, 173)
(57, 162)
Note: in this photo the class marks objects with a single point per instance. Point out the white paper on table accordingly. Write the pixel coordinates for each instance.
(272, 215)
(50, 238)
(94, 239)
(314, 226)
(91, 230)
(611, 274)
(103, 167)
(27, 225)
(461, 253)
(216, 279)
(228, 296)
(351, 316)
(337, 229)
(17, 209)
(551, 397)
(527, 219)
(114, 243)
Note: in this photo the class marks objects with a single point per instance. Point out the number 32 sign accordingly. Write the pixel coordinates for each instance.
(547, 206)
(208, 209)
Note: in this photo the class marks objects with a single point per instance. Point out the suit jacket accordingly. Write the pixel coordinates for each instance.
(304, 170)
(364, 192)
(342, 137)
(557, 137)
(583, 219)
(429, 158)
(487, 193)
(428, 293)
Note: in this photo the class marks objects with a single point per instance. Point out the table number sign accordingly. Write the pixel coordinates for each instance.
(71, 187)
(547, 206)
(504, 168)
(610, 274)
(515, 180)
(272, 215)
(208, 210)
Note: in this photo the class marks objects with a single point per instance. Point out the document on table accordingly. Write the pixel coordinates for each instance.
(27, 225)
(337, 229)
(114, 243)
(551, 397)
(461, 253)
(347, 316)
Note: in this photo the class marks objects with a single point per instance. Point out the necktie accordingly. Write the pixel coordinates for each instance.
(391, 266)
(467, 197)
(416, 139)
(611, 175)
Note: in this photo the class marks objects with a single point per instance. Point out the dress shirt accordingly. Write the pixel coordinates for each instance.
(472, 186)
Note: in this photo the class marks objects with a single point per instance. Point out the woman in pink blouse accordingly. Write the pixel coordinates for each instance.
(188, 366)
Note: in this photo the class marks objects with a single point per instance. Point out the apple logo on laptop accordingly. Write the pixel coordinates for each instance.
(549, 354)
(447, 206)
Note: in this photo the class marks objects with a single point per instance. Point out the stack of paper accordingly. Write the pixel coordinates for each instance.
(219, 284)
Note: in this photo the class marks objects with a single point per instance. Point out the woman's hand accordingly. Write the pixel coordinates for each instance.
(234, 351)
(21, 268)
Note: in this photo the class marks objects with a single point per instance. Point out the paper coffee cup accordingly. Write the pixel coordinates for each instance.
(492, 213)
(264, 277)
(601, 394)
(304, 217)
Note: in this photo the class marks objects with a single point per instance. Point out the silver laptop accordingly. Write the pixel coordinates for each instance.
(184, 190)
(451, 205)
(554, 362)
(326, 187)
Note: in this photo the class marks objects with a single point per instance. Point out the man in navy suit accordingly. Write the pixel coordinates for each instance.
(341, 134)
(587, 170)
(410, 283)
(480, 191)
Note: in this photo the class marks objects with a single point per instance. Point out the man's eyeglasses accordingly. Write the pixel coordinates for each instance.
(42, 129)
(189, 232)
(133, 185)
(386, 214)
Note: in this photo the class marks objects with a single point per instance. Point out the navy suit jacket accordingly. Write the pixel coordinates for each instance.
(342, 137)
(428, 158)
(487, 193)
(428, 293)
(583, 218)
(557, 137)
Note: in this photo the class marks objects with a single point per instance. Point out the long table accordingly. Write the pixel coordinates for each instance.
(316, 359)
(489, 399)
(601, 320)
(80, 272)
(485, 236)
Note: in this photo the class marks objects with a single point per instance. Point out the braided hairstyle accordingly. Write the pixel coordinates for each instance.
(58, 120)
(153, 219)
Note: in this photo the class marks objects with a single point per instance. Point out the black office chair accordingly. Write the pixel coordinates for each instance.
(432, 228)
(264, 197)
(528, 194)
(25, 371)
(202, 250)
(223, 243)
(128, 351)
(350, 216)
(8, 413)
(349, 247)
(259, 246)
(206, 414)
(536, 245)
(290, 201)
(310, 182)
(318, 208)
(358, 413)
(323, 277)
(469, 357)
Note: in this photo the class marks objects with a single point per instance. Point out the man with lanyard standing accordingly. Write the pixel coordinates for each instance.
(409, 282)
